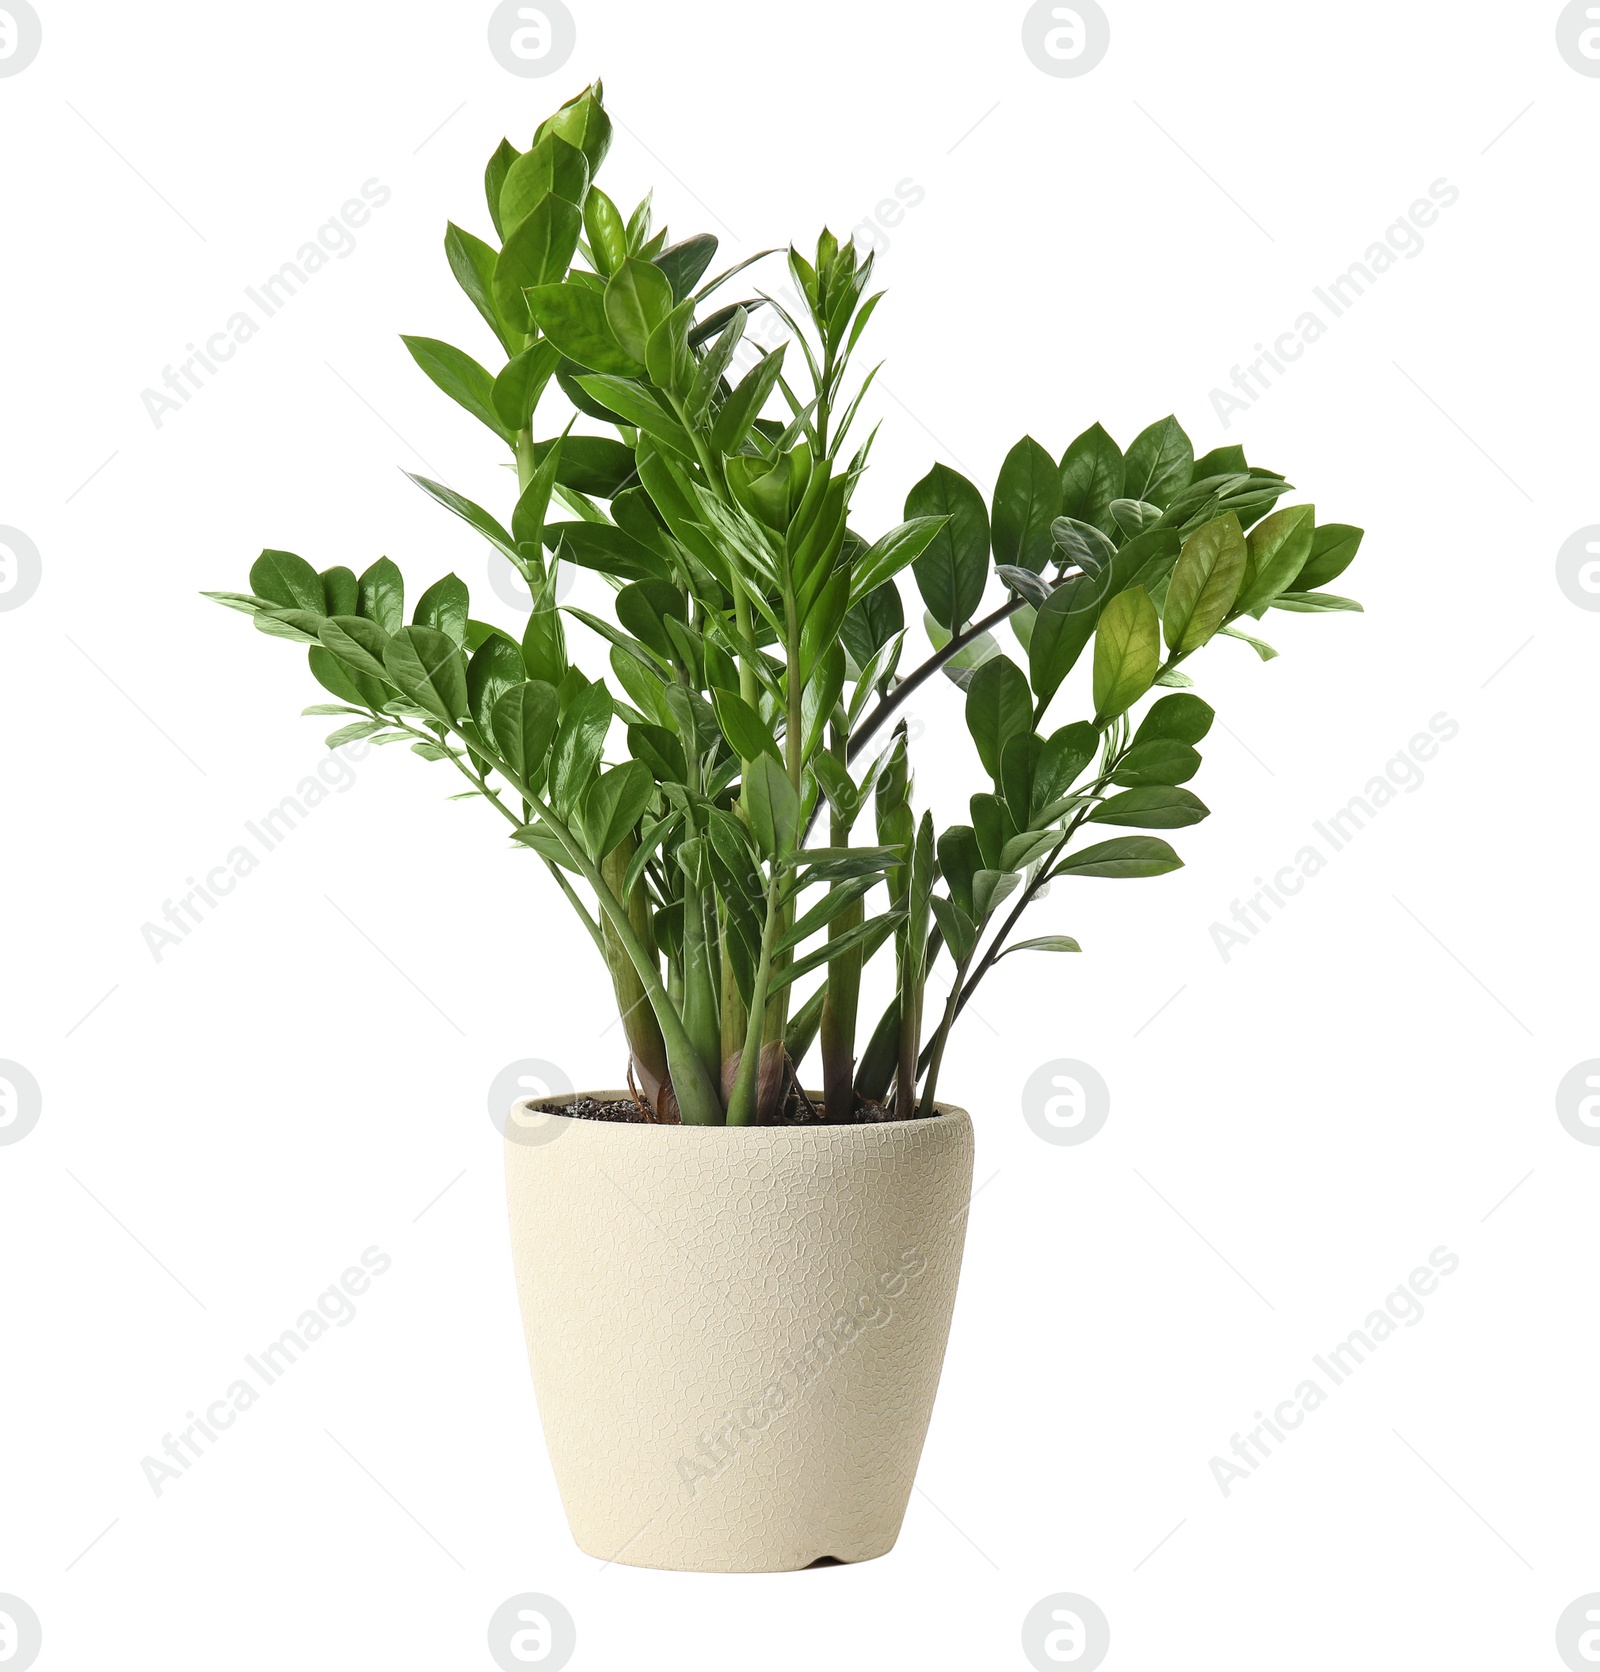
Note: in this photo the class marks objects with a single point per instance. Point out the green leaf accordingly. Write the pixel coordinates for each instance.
(523, 723)
(573, 317)
(684, 263)
(331, 675)
(494, 179)
(1043, 943)
(608, 237)
(579, 744)
(1092, 474)
(495, 668)
(595, 465)
(1159, 464)
(1027, 846)
(339, 591)
(551, 166)
(613, 806)
(960, 932)
(1205, 583)
(772, 805)
(1064, 756)
(1027, 499)
(1259, 646)
(461, 378)
(444, 606)
(353, 733)
(637, 298)
(1314, 603)
(872, 622)
(1127, 653)
(472, 261)
(1277, 549)
(1333, 548)
(989, 889)
(747, 734)
(427, 666)
(960, 860)
(954, 566)
(607, 548)
(867, 937)
(1123, 856)
(823, 912)
(288, 581)
(1161, 760)
(998, 709)
(1158, 807)
(886, 557)
(522, 381)
(470, 513)
(1061, 629)
(381, 596)
(358, 643)
(536, 253)
(1183, 717)
(713, 365)
(743, 406)
(634, 404)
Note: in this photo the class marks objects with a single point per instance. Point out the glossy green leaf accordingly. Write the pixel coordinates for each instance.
(1092, 474)
(444, 606)
(999, 707)
(1122, 856)
(495, 668)
(1158, 760)
(523, 723)
(1043, 943)
(1333, 549)
(744, 405)
(1061, 628)
(613, 805)
(536, 253)
(288, 581)
(1027, 499)
(573, 317)
(772, 806)
(579, 744)
(1159, 463)
(461, 378)
(1061, 762)
(638, 297)
(522, 381)
(1157, 807)
(1183, 717)
(427, 666)
(1277, 549)
(887, 556)
(551, 166)
(953, 568)
(381, 596)
(747, 734)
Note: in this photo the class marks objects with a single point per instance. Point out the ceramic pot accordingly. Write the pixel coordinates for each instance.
(735, 1333)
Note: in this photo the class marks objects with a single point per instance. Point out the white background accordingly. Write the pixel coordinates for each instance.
(224, 1130)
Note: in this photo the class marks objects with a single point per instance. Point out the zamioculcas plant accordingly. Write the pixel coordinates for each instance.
(712, 770)
(757, 639)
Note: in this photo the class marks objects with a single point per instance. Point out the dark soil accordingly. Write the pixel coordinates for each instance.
(797, 1110)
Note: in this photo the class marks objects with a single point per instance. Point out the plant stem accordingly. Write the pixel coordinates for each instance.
(742, 1099)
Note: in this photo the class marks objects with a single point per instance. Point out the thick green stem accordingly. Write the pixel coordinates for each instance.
(742, 1101)
(839, 1008)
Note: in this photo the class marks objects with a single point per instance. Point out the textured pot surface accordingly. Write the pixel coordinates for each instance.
(736, 1333)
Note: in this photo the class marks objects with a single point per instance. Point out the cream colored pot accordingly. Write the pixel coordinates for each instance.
(735, 1332)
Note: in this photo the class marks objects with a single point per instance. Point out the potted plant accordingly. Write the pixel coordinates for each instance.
(736, 1292)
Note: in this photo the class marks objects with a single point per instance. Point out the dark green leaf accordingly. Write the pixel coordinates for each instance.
(683, 263)
(613, 805)
(998, 709)
(381, 596)
(579, 745)
(1184, 717)
(1160, 760)
(1064, 756)
(1333, 547)
(523, 723)
(744, 405)
(1159, 464)
(955, 565)
(1027, 499)
(1123, 856)
(1158, 807)
(427, 666)
(1092, 474)
(444, 606)
(288, 581)
(1061, 629)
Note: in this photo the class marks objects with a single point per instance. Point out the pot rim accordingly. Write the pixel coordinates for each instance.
(551, 1105)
